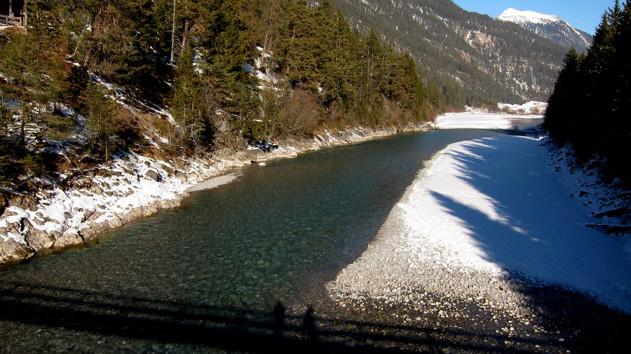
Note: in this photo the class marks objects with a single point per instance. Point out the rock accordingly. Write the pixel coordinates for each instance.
(114, 223)
(154, 175)
(96, 189)
(180, 175)
(24, 201)
(11, 251)
(93, 229)
(68, 239)
(149, 210)
(39, 240)
(255, 156)
(193, 177)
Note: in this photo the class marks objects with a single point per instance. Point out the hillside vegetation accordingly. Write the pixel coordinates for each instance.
(474, 59)
(88, 78)
(591, 103)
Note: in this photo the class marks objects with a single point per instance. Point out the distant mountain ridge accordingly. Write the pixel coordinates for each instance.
(551, 27)
(476, 59)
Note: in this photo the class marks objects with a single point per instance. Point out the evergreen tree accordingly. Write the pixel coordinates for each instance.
(589, 107)
(101, 125)
(186, 103)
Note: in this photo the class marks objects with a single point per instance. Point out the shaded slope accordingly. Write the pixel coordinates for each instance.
(476, 58)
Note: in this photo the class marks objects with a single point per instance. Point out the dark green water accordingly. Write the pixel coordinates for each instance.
(276, 233)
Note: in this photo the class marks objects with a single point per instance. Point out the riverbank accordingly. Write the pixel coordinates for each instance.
(132, 186)
(482, 239)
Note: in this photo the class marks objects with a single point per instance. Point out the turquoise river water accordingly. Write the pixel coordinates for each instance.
(276, 233)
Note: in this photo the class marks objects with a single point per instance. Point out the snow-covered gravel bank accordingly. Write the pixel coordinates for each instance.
(486, 211)
(133, 186)
(474, 119)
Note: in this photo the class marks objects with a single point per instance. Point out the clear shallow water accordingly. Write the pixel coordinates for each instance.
(268, 236)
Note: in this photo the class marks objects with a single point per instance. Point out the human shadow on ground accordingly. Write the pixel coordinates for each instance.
(535, 233)
(59, 310)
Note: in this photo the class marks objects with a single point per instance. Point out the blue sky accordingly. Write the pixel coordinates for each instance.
(582, 14)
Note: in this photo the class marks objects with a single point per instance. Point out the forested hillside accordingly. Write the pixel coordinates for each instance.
(591, 104)
(475, 59)
(89, 77)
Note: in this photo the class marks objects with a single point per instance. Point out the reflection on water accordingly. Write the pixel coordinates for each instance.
(262, 238)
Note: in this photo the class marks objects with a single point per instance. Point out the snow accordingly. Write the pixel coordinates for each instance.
(476, 119)
(520, 17)
(532, 107)
(495, 205)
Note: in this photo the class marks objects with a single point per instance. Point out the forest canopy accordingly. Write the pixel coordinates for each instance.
(591, 103)
(259, 69)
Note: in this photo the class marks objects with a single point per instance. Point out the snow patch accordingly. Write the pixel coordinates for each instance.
(477, 119)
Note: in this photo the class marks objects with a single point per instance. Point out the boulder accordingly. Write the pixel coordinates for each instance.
(255, 156)
(149, 210)
(96, 189)
(68, 239)
(11, 251)
(39, 240)
(24, 201)
(180, 175)
(154, 175)
(193, 177)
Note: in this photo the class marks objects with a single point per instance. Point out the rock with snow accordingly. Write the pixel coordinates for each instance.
(551, 27)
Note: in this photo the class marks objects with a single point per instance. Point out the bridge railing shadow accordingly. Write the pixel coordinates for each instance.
(228, 328)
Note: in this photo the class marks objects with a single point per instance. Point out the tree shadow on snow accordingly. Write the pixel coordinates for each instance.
(537, 233)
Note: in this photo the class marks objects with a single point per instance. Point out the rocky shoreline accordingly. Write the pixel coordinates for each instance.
(90, 203)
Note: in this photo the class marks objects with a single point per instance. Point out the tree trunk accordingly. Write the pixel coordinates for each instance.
(173, 36)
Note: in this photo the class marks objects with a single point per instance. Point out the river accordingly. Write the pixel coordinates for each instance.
(276, 233)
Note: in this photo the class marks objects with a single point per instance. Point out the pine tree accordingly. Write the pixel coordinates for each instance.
(100, 119)
(561, 103)
(186, 103)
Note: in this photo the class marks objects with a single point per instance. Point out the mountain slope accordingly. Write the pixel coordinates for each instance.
(552, 27)
(476, 59)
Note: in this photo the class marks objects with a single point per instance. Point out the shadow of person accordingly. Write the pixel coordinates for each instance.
(279, 313)
(309, 323)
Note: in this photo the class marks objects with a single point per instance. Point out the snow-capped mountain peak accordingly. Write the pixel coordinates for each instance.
(549, 26)
(522, 17)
